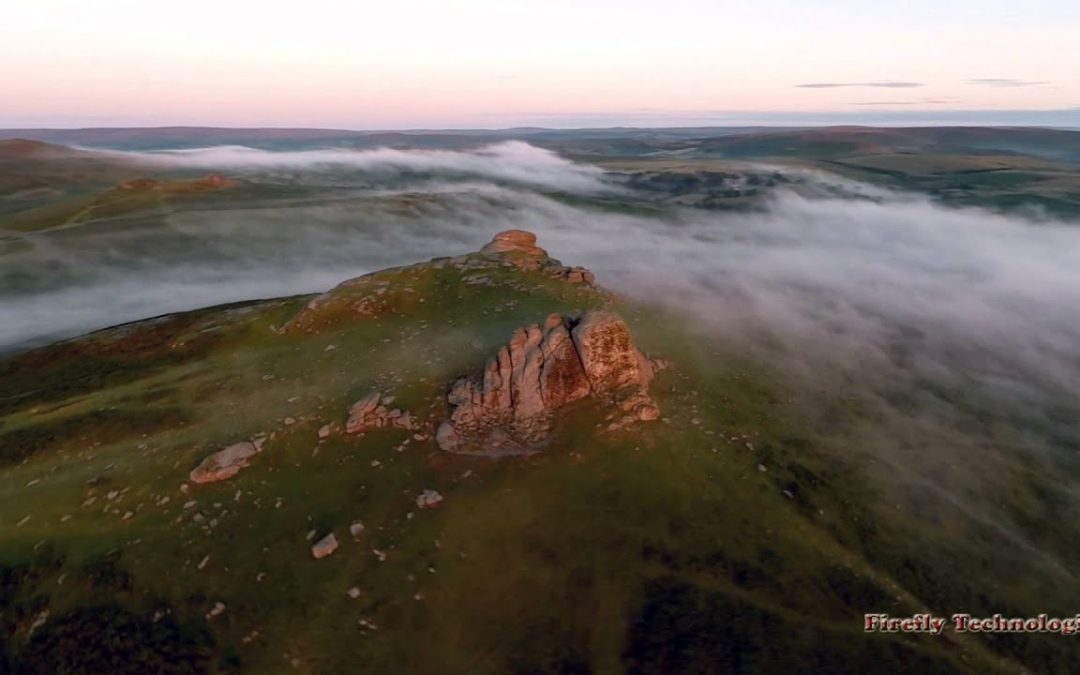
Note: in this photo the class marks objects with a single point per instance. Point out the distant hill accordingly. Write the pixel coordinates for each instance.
(838, 141)
(731, 142)
(21, 148)
(147, 138)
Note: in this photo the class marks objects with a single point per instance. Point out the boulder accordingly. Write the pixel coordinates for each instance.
(428, 499)
(324, 546)
(224, 464)
(607, 353)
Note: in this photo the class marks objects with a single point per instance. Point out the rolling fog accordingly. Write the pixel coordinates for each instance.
(511, 161)
(953, 331)
(896, 282)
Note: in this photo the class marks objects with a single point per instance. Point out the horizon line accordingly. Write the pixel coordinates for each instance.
(613, 127)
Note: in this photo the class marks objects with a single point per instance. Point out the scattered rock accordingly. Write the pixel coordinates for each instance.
(39, 621)
(353, 592)
(647, 412)
(356, 529)
(428, 499)
(224, 464)
(218, 609)
(371, 412)
(543, 368)
(324, 546)
(576, 275)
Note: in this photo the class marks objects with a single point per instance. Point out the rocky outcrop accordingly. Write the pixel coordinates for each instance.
(514, 241)
(509, 409)
(225, 464)
(520, 249)
(373, 412)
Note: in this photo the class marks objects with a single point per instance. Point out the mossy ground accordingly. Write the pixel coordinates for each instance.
(722, 538)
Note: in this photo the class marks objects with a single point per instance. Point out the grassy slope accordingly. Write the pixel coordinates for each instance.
(660, 549)
(112, 203)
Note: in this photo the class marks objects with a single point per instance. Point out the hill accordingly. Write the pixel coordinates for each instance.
(22, 149)
(731, 534)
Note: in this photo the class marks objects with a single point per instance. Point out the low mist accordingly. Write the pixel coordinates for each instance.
(509, 161)
(889, 282)
(955, 330)
(894, 277)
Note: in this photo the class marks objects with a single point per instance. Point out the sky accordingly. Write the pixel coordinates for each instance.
(361, 64)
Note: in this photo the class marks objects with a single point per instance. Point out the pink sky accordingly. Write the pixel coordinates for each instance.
(425, 63)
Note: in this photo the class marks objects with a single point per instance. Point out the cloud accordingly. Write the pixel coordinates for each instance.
(926, 100)
(511, 161)
(1005, 82)
(885, 102)
(884, 85)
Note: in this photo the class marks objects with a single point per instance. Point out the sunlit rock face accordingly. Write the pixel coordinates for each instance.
(544, 367)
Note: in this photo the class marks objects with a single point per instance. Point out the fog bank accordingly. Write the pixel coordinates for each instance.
(509, 161)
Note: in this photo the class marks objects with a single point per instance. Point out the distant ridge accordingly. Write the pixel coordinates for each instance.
(23, 148)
